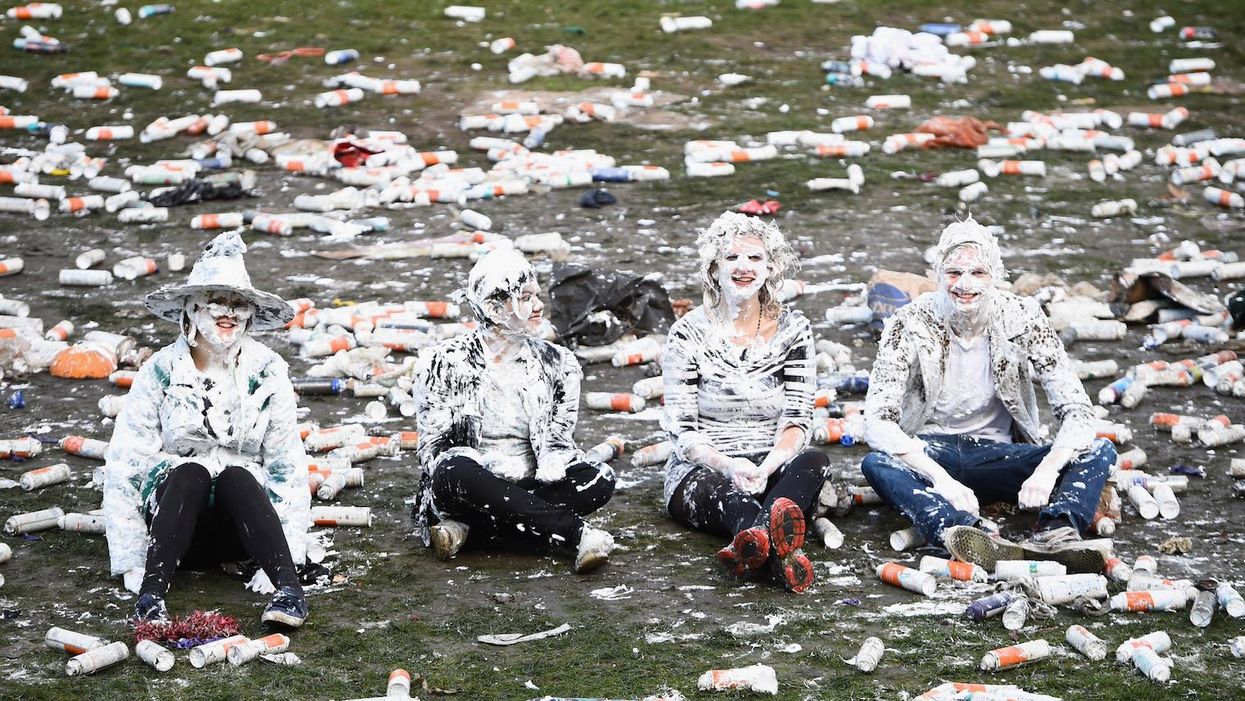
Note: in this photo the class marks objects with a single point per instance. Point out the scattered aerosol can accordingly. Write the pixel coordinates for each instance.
(94, 660)
(215, 651)
(155, 655)
(897, 575)
(870, 653)
(1015, 655)
(1086, 642)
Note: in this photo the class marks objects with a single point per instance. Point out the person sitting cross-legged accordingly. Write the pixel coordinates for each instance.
(952, 416)
(497, 414)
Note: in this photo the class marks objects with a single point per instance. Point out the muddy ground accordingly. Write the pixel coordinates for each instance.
(396, 606)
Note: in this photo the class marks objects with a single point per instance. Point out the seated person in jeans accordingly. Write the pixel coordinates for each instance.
(953, 419)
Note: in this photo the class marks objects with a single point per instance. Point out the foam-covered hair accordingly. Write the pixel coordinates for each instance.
(499, 276)
(970, 233)
(713, 241)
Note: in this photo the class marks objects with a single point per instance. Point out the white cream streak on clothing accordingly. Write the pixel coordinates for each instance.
(164, 424)
(452, 400)
(505, 431)
(910, 371)
(448, 391)
(735, 399)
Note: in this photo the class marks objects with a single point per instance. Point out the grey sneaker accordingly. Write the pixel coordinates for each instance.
(1064, 545)
(448, 538)
(1055, 537)
(595, 546)
(971, 544)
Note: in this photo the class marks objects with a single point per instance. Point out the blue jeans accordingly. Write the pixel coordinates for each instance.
(995, 472)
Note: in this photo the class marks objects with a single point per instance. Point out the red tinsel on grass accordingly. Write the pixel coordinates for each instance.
(182, 633)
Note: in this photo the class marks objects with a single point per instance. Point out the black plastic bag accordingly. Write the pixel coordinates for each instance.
(593, 308)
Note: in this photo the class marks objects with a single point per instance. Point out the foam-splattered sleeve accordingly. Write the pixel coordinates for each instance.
(285, 460)
(888, 384)
(680, 373)
(442, 423)
(1068, 400)
(134, 454)
(799, 375)
(559, 450)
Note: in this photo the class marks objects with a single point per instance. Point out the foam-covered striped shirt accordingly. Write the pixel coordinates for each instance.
(734, 398)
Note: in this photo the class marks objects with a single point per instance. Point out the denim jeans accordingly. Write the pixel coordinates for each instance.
(995, 472)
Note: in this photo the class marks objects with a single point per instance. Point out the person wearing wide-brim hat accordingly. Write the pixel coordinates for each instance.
(205, 464)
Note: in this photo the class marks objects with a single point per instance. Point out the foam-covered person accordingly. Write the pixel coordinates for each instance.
(952, 415)
(738, 383)
(205, 465)
(497, 409)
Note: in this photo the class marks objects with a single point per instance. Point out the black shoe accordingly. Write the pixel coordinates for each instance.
(151, 608)
(288, 608)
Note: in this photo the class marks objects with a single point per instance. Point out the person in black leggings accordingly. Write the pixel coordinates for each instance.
(738, 389)
(205, 464)
(199, 523)
(497, 414)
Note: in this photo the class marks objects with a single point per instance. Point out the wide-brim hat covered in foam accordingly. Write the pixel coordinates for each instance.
(221, 269)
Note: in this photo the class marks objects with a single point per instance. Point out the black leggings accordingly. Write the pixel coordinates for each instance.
(547, 514)
(241, 521)
(708, 501)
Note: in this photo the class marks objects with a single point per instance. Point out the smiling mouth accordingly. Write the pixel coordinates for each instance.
(743, 280)
(966, 297)
(226, 324)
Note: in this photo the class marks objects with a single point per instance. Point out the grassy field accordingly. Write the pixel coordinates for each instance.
(396, 606)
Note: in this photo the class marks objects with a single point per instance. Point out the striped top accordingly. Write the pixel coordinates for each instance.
(734, 398)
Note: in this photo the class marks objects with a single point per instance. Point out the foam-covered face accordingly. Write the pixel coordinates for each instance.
(220, 319)
(521, 314)
(966, 280)
(743, 269)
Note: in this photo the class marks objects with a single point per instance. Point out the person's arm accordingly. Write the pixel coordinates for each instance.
(888, 385)
(558, 450)
(1069, 403)
(439, 415)
(798, 376)
(284, 461)
(134, 454)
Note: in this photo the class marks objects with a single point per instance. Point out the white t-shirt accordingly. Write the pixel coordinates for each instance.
(504, 426)
(968, 403)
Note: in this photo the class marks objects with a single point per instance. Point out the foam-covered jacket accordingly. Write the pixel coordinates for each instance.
(911, 366)
(162, 425)
(450, 406)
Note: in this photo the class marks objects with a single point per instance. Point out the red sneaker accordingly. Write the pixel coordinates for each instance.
(794, 572)
(786, 527)
(748, 552)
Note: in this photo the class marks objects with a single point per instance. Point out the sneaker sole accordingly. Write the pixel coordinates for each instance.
(282, 618)
(747, 552)
(786, 527)
(796, 572)
(973, 545)
(591, 562)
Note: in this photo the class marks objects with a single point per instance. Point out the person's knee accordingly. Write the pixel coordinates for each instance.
(190, 474)
(594, 484)
(873, 465)
(452, 477)
(1102, 455)
(235, 477)
(813, 460)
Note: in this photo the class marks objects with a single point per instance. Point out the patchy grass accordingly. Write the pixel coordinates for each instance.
(400, 607)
